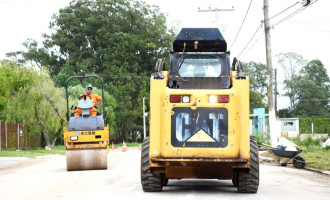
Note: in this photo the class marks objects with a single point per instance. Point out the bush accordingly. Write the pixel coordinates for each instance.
(308, 142)
(261, 140)
(321, 125)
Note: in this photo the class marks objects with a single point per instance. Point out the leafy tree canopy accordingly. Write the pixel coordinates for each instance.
(30, 97)
(258, 83)
(313, 90)
(310, 89)
(120, 40)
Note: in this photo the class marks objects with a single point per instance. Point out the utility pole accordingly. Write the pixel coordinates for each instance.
(216, 10)
(275, 91)
(272, 116)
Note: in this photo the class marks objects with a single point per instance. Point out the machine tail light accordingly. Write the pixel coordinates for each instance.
(179, 98)
(175, 98)
(219, 99)
(185, 99)
(223, 99)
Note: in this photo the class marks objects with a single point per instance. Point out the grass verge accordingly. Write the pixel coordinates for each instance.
(315, 156)
(60, 149)
(32, 153)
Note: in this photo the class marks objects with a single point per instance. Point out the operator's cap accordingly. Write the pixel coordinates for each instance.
(89, 86)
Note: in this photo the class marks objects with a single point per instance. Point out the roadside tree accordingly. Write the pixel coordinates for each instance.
(291, 64)
(120, 40)
(258, 84)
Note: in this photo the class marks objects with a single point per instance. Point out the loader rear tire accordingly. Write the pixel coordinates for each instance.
(151, 182)
(235, 179)
(249, 183)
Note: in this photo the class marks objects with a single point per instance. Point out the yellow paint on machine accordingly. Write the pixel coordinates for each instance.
(98, 139)
(201, 136)
(160, 120)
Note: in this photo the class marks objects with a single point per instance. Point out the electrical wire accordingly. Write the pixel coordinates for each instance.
(255, 42)
(282, 20)
(294, 13)
(241, 25)
(259, 27)
(283, 10)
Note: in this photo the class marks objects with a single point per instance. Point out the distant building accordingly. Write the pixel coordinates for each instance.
(259, 122)
(289, 127)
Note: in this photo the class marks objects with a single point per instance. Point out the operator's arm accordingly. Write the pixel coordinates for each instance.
(98, 99)
(82, 95)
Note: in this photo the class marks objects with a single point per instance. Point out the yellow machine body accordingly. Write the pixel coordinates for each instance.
(86, 150)
(199, 116)
(98, 139)
(200, 162)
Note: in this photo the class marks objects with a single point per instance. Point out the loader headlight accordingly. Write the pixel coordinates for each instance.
(73, 138)
(212, 99)
(185, 99)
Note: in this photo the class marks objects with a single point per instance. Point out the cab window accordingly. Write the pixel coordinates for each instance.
(200, 66)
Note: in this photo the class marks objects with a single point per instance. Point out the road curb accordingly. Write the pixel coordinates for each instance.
(318, 171)
(264, 159)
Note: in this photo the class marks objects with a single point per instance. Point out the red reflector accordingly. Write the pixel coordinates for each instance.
(175, 98)
(223, 99)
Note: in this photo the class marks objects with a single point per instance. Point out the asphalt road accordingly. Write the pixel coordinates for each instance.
(47, 178)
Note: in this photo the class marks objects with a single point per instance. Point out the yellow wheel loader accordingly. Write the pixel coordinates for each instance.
(86, 138)
(199, 116)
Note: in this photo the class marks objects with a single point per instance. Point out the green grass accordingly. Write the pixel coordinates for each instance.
(307, 142)
(262, 140)
(315, 156)
(32, 153)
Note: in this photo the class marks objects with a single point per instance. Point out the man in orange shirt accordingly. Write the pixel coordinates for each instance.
(92, 96)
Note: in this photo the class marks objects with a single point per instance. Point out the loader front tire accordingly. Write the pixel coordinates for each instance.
(151, 182)
(249, 183)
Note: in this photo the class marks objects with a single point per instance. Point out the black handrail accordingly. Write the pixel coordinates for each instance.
(81, 77)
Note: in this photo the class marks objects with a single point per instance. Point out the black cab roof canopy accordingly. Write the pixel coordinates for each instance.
(200, 40)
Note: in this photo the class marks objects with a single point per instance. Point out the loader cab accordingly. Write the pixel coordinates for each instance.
(199, 60)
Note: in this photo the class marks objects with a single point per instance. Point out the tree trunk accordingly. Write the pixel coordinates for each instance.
(53, 142)
(61, 122)
(43, 129)
(48, 145)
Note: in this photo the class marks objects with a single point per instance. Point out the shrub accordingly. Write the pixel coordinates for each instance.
(321, 125)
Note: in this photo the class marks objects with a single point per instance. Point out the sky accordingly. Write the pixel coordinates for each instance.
(307, 33)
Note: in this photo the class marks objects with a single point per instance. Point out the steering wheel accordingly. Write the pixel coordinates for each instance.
(85, 96)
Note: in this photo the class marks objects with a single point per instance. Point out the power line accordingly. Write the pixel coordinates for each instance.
(241, 25)
(259, 27)
(283, 10)
(255, 42)
(294, 13)
(282, 20)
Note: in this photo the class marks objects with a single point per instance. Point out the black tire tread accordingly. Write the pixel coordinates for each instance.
(299, 162)
(249, 183)
(151, 182)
